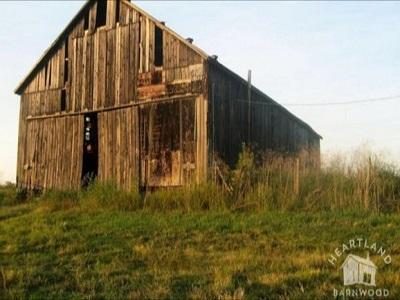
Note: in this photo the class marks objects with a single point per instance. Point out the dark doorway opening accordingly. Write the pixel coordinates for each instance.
(90, 150)
(158, 49)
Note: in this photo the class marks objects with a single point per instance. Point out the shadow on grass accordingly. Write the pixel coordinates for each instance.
(182, 286)
(293, 287)
(242, 288)
(9, 212)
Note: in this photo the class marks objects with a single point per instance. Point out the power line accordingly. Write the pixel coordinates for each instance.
(345, 102)
(360, 101)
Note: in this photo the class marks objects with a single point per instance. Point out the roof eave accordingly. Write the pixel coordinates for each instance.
(258, 91)
(22, 85)
(20, 88)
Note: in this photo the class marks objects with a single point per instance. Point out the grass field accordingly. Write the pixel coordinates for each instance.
(75, 253)
(259, 231)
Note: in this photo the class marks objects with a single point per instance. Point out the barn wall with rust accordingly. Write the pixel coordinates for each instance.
(111, 70)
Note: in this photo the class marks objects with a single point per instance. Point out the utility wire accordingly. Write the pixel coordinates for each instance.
(368, 100)
(346, 102)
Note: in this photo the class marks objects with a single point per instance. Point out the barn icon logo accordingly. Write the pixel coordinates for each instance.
(358, 270)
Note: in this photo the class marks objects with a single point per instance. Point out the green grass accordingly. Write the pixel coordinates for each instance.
(81, 254)
(263, 230)
(9, 195)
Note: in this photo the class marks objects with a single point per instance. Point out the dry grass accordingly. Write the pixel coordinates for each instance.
(257, 183)
(265, 233)
(279, 182)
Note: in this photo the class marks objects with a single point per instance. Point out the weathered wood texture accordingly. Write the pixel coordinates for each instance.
(162, 106)
(110, 70)
(168, 143)
(51, 156)
(272, 127)
(106, 65)
(118, 147)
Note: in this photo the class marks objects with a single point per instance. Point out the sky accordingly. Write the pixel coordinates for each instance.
(299, 53)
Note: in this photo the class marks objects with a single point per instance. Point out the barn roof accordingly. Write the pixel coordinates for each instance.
(364, 261)
(67, 30)
(261, 93)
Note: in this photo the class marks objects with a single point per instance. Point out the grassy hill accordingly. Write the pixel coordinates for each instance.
(260, 231)
(76, 253)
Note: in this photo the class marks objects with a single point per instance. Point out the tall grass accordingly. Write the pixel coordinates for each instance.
(258, 182)
(285, 182)
(97, 196)
(206, 196)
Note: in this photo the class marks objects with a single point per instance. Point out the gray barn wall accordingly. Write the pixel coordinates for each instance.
(272, 127)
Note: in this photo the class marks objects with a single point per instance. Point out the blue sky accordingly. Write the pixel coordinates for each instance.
(299, 52)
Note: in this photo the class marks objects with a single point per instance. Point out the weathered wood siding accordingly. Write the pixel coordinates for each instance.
(272, 127)
(118, 147)
(168, 143)
(162, 106)
(110, 70)
(52, 154)
(102, 70)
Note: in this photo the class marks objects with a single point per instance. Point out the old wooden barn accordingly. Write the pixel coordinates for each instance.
(121, 97)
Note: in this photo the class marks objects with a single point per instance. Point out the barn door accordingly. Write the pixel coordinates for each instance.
(167, 143)
(90, 149)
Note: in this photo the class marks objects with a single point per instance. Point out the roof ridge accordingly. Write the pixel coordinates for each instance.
(360, 259)
(48, 51)
(198, 50)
